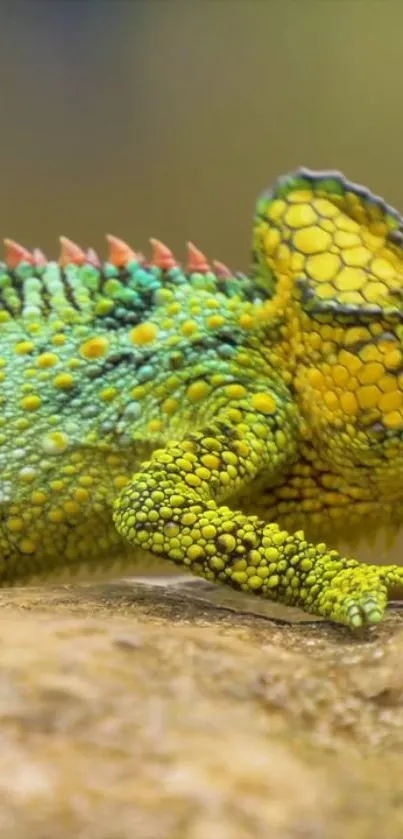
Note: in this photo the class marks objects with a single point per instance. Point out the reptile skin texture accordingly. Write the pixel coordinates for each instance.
(238, 426)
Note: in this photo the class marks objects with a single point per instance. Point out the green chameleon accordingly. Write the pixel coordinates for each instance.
(227, 423)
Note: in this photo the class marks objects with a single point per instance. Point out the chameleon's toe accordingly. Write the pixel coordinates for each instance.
(364, 611)
(356, 597)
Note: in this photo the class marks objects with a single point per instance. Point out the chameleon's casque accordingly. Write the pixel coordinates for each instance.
(228, 423)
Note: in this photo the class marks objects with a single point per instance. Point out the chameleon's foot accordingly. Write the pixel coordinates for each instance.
(356, 596)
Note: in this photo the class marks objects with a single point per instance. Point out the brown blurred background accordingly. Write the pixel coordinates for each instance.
(166, 117)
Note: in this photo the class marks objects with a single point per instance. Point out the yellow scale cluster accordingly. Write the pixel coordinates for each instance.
(341, 250)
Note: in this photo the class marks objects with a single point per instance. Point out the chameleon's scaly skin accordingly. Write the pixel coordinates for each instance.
(208, 418)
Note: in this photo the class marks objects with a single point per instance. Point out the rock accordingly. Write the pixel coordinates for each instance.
(139, 711)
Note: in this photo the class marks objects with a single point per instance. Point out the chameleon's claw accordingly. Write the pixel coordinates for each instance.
(367, 612)
(356, 596)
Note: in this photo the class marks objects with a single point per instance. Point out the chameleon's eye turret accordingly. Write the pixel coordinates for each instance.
(333, 254)
(340, 245)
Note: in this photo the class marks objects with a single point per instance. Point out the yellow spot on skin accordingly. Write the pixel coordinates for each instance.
(94, 348)
(324, 207)
(393, 420)
(72, 508)
(81, 494)
(47, 359)
(391, 401)
(210, 461)
(27, 546)
(350, 361)
(315, 378)
(27, 475)
(331, 400)
(356, 257)
(86, 480)
(374, 292)
(215, 321)
(387, 384)
(197, 391)
(350, 279)
(357, 333)
(56, 515)
(144, 333)
(55, 443)
(246, 321)
(283, 257)
(64, 381)
(173, 309)
(300, 215)
(120, 481)
(263, 402)
(346, 240)
(368, 396)
(58, 340)
(217, 379)
(348, 403)
(340, 375)
(169, 406)
(74, 363)
(276, 210)
(347, 224)
(24, 347)
(393, 359)
(370, 373)
(383, 269)
(235, 391)
(188, 328)
(108, 394)
(271, 241)
(299, 196)
(31, 403)
(15, 524)
(154, 425)
(297, 262)
(325, 291)
(323, 266)
(39, 498)
(311, 240)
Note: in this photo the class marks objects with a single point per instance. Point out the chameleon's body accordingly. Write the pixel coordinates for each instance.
(145, 407)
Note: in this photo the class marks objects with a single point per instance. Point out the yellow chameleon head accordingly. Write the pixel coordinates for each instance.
(330, 253)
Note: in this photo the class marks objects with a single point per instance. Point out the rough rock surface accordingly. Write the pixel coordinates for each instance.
(130, 710)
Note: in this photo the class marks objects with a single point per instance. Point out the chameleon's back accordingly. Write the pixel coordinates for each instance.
(100, 364)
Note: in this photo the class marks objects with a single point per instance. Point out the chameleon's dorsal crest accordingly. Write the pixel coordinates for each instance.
(71, 254)
(162, 257)
(196, 261)
(119, 252)
(16, 253)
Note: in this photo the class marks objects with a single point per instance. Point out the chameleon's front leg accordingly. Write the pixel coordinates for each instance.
(173, 508)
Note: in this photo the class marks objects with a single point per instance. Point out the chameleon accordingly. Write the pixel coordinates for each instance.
(233, 424)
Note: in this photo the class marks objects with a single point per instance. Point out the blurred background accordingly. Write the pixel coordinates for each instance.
(166, 117)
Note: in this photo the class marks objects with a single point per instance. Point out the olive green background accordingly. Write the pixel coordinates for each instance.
(165, 118)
